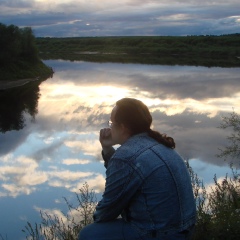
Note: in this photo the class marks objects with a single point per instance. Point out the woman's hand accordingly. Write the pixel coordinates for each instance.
(105, 139)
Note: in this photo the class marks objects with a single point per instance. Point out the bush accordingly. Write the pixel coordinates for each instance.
(218, 212)
(231, 151)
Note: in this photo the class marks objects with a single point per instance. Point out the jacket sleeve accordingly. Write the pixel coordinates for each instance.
(122, 182)
(107, 157)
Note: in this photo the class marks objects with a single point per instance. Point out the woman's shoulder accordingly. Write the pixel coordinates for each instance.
(134, 146)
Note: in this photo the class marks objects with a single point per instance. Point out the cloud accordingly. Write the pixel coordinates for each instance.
(24, 175)
(114, 18)
(183, 82)
(14, 191)
(97, 183)
(206, 171)
(12, 140)
(89, 147)
(62, 146)
(185, 102)
(20, 176)
(75, 161)
(69, 175)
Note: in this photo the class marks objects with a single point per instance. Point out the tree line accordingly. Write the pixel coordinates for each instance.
(17, 44)
(19, 56)
(225, 45)
(209, 51)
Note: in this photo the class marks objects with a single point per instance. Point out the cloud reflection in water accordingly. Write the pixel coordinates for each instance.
(186, 103)
(61, 149)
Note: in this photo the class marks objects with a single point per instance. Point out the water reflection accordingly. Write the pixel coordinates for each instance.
(55, 154)
(15, 102)
(186, 102)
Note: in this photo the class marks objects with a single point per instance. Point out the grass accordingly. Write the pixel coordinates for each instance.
(52, 227)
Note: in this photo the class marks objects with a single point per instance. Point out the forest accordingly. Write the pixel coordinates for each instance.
(203, 45)
(19, 54)
(223, 51)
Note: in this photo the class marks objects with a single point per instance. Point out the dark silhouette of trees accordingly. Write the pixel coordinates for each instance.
(223, 51)
(17, 45)
(19, 57)
(15, 102)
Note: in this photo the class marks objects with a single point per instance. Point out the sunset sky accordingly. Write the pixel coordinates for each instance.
(68, 18)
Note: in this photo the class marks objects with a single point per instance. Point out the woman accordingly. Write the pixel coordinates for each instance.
(147, 182)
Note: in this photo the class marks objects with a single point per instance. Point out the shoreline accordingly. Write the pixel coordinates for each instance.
(7, 84)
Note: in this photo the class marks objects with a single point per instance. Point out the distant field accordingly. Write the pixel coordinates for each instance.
(192, 50)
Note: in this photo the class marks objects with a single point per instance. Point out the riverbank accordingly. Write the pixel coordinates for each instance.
(23, 72)
(16, 83)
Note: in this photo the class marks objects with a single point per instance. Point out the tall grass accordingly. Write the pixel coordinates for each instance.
(218, 212)
(54, 228)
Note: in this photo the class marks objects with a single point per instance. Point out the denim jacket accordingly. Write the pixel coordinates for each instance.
(149, 185)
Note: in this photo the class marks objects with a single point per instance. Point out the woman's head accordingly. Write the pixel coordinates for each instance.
(130, 116)
(133, 114)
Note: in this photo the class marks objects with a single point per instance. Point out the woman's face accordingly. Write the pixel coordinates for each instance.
(115, 128)
(119, 132)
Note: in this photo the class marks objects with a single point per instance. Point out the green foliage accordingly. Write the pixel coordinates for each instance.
(29, 49)
(190, 50)
(191, 45)
(218, 210)
(224, 202)
(17, 45)
(233, 149)
(203, 215)
(19, 54)
(10, 43)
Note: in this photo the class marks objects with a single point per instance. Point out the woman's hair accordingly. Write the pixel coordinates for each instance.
(136, 117)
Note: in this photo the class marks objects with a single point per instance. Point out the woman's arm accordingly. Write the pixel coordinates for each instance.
(122, 182)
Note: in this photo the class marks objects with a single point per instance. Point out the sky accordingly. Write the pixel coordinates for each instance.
(80, 18)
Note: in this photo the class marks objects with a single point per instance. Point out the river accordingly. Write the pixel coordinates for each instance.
(49, 132)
